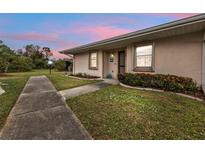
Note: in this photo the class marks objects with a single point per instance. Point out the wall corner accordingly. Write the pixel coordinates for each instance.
(73, 64)
(203, 63)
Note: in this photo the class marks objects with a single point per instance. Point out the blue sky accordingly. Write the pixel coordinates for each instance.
(61, 31)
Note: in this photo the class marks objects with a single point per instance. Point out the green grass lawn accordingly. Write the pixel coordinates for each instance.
(59, 80)
(120, 113)
(16, 82)
(8, 99)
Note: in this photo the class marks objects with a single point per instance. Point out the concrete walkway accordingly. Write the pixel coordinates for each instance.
(1, 90)
(41, 113)
(68, 93)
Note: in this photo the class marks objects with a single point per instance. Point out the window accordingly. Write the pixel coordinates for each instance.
(93, 60)
(143, 58)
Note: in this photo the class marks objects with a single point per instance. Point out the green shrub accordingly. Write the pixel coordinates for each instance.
(20, 64)
(16, 64)
(159, 81)
(60, 65)
(40, 63)
(10, 61)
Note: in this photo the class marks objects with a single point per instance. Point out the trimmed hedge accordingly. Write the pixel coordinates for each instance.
(160, 81)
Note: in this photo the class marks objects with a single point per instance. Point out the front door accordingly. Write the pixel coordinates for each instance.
(121, 62)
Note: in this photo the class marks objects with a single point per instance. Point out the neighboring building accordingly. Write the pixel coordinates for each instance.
(174, 48)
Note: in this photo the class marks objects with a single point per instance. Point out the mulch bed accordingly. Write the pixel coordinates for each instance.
(86, 76)
(199, 94)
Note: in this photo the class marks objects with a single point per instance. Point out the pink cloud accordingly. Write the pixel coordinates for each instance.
(31, 36)
(175, 15)
(53, 38)
(100, 32)
(103, 31)
(63, 44)
(111, 20)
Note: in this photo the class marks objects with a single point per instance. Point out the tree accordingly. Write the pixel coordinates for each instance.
(33, 57)
(6, 57)
(37, 55)
(11, 62)
(47, 52)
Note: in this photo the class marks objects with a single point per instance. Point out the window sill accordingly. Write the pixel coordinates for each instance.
(93, 68)
(143, 69)
(135, 72)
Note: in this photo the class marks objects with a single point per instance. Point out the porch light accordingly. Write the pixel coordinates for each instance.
(111, 57)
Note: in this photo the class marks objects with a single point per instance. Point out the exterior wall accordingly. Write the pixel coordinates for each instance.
(179, 55)
(81, 64)
(129, 61)
(203, 64)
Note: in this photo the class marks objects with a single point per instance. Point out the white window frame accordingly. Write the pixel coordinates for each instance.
(90, 56)
(143, 68)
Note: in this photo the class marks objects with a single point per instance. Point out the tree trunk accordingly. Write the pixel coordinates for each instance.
(7, 67)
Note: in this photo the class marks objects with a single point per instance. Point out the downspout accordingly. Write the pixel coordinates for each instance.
(103, 64)
(73, 64)
(203, 63)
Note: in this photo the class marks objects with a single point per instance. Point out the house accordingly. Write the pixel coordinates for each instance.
(176, 48)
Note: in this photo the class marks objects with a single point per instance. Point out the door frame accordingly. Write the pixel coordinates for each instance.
(119, 52)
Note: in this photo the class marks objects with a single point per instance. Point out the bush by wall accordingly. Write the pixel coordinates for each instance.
(159, 81)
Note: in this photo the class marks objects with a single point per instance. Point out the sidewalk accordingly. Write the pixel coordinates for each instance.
(41, 113)
(73, 92)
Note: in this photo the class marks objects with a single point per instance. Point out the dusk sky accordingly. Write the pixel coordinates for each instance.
(62, 31)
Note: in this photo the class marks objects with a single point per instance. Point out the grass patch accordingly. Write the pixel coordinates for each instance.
(61, 82)
(120, 113)
(16, 82)
(7, 100)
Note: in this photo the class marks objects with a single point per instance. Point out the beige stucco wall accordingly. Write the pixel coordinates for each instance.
(179, 55)
(81, 64)
(129, 61)
(203, 63)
